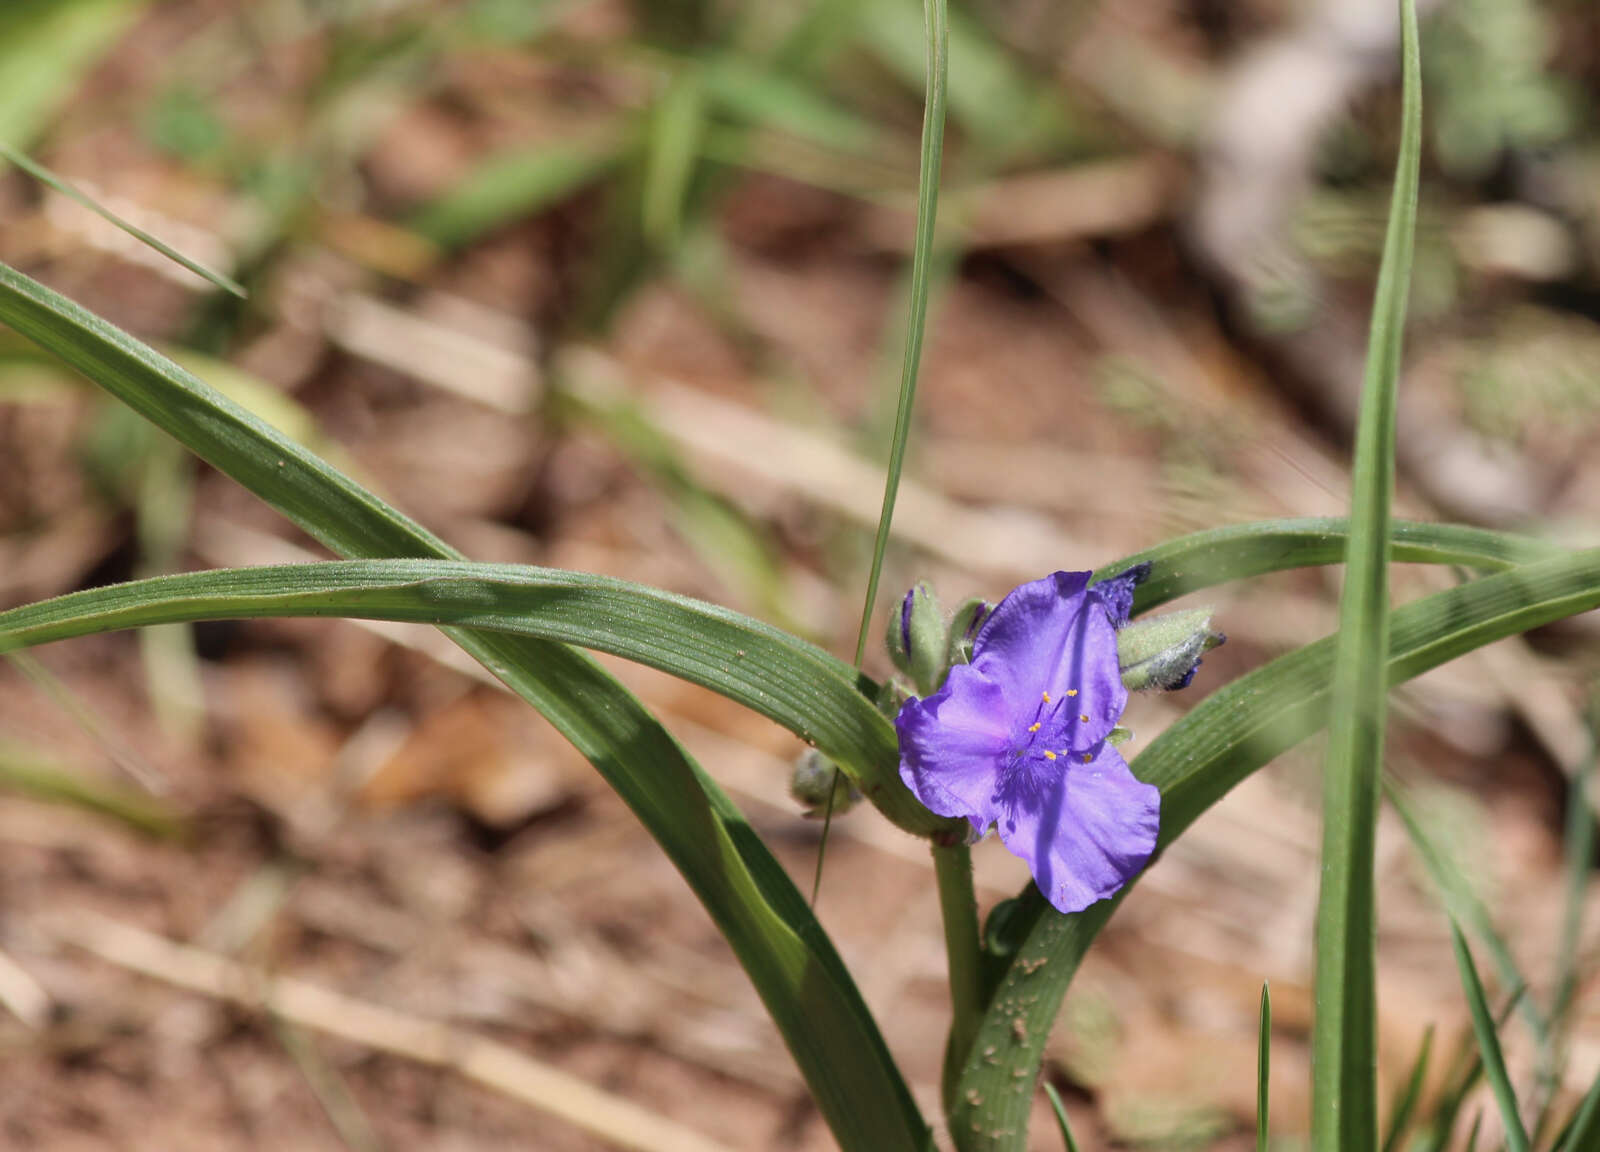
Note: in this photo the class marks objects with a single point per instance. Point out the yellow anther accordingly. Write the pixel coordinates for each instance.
(1049, 755)
(1087, 758)
(1047, 697)
(1083, 717)
(1035, 726)
(1071, 692)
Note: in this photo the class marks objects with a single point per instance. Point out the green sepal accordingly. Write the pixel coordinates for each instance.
(1161, 652)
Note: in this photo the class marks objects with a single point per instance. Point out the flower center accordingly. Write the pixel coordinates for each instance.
(1047, 736)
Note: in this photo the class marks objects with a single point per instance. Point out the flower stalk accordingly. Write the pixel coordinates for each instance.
(958, 906)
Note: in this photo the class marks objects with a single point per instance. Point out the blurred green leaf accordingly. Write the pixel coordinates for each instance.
(1464, 907)
(995, 100)
(33, 775)
(514, 185)
(183, 123)
(46, 47)
(1584, 1132)
(1400, 1116)
(672, 147)
(746, 90)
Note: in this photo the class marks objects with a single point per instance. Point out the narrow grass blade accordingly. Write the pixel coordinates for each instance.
(1344, 1055)
(42, 174)
(764, 918)
(1400, 1118)
(921, 260)
(1195, 762)
(1464, 907)
(1472, 1136)
(1060, 1111)
(1263, 1069)
(1494, 1064)
(1584, 1132)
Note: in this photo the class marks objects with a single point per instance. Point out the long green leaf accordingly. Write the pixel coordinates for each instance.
(928, 173)
(796, 684)
(1196, 761)
(789, 958)
(1204, 559)
(1494, 1062)
(1344, 1037)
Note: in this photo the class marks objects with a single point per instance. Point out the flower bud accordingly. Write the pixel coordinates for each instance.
(964, 626)
(916, 638)
(815, 778)
(1162, 652)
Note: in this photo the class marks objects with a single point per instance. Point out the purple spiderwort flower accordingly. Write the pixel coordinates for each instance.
(1017, 739)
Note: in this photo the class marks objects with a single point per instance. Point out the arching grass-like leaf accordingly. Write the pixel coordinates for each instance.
(819, 697)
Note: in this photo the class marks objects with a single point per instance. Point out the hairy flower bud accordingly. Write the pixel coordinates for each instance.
(916, 638)
(1162, 652)
(815, 777)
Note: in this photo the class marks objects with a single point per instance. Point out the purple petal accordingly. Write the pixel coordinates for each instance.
(951, 746)
(1049, 636)
(1085, 831)
(1116, 593)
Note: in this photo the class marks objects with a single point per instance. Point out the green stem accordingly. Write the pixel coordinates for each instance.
(952, 864)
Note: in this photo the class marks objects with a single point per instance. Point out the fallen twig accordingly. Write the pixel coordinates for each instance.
(486, 1062)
